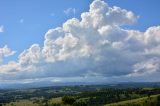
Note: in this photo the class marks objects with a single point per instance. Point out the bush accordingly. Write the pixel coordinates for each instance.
(158, 101)
(68, 100)
(158, 98)
(80, 103)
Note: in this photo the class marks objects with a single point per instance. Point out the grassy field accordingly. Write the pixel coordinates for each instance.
(55, 100)
(31, 102)
(145, 101)
(22, 103)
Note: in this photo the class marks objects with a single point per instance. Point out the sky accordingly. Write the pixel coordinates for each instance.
(84, 40)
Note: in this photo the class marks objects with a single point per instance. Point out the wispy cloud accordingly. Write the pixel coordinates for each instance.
(1, 28)
(70, 11)
(21, 20)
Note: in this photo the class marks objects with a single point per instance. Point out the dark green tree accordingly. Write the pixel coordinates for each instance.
(68, 100)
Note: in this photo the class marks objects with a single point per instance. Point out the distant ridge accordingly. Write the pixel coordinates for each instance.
(110, 85)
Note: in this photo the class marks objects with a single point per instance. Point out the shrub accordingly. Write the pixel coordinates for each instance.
(80, 103)
(68, 100)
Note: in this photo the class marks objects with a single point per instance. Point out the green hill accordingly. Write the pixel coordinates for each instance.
(145, 101)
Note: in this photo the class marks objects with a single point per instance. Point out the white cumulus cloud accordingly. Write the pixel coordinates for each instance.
(96, 45)
(5, 52)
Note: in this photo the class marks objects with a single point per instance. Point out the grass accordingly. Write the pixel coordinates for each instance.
(22, 103)
(55, 100)
(148, 88)
(144, 101)
(31, 103)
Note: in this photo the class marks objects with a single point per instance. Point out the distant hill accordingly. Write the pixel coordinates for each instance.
(109, 85)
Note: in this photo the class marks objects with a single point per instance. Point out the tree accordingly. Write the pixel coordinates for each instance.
(68, 100)
(80, 103)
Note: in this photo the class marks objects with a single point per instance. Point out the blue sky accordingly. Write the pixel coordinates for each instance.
(38, 16)
(25, 23)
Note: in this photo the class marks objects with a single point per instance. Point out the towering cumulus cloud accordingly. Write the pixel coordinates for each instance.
(95, 45)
